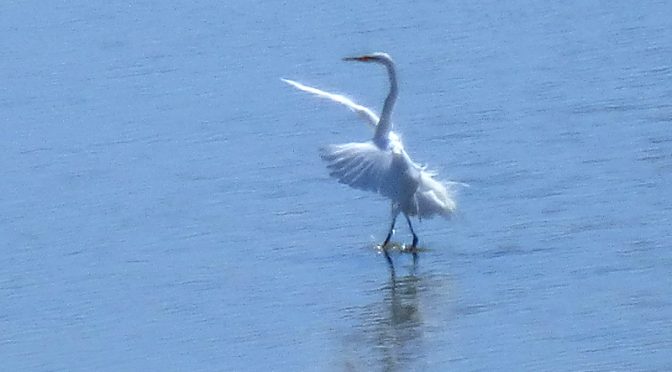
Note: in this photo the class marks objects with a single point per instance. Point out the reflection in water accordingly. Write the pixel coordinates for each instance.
(401, 328)
(390, 332)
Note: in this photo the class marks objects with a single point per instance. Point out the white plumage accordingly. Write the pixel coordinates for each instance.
(366, 166)
(382, 165)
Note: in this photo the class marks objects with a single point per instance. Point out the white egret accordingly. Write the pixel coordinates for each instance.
(381, 164)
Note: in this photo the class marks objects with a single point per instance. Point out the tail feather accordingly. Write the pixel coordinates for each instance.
(434, 197)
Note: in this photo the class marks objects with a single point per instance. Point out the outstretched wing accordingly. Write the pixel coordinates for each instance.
(365, 166)
(390, 173)
(362, 111)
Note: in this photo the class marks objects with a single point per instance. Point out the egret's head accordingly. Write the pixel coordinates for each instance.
(383, 58)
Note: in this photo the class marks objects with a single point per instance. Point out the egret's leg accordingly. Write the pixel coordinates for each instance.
(415, 237)
(415, 240)
(389, 234)
(387, 240)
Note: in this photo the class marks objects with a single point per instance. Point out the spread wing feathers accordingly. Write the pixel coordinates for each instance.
(390, 173)
(434, 197)
(365, 166)
(364, 112)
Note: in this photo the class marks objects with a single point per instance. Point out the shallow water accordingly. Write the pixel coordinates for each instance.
(164, 207)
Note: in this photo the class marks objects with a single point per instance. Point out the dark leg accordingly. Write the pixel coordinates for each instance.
(415, 241)
(389, 234)
(387, 240)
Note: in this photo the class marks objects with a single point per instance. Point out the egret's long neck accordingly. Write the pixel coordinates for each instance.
(385, 123)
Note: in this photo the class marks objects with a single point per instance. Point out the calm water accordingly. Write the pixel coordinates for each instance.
(163, 206)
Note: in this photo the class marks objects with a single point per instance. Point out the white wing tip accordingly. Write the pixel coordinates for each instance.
(290, 82)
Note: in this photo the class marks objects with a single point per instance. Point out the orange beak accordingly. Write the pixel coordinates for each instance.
(360, 59)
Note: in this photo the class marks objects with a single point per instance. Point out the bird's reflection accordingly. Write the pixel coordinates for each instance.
(399, 331)
(389, 334)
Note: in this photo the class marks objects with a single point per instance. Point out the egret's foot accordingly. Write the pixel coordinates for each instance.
(411, 249)
(384, 247)
(414, 250)
(390, 247)
(401, 248)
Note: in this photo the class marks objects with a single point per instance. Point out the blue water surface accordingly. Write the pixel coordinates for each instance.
(163, 206)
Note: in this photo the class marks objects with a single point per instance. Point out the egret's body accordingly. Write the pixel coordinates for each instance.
(381, 164)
